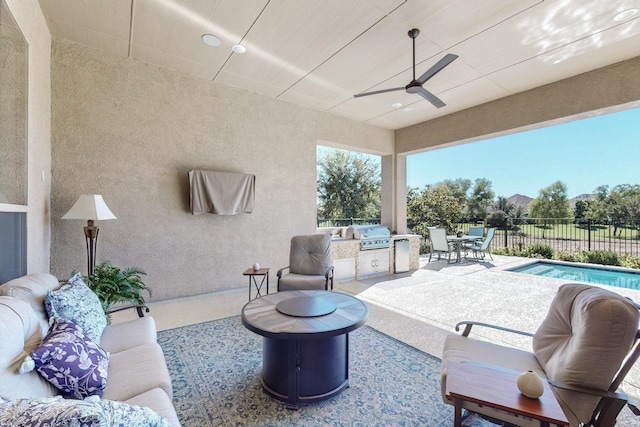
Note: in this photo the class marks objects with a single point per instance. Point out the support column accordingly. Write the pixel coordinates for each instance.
(394, 192)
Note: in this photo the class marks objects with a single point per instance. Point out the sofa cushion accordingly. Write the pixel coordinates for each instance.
(33, 288)
(134, 371)
(56, 411)
(76, 302)
(20, 333)
(157, 400)
(71, 361)
(122, 336)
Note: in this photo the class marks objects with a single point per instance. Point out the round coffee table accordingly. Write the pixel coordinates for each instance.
(305, 355)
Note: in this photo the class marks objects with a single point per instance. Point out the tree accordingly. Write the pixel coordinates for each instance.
(582, 209)
(434, 206)
(622, 204)
(348, 185)
(552, 202)
(480, 199)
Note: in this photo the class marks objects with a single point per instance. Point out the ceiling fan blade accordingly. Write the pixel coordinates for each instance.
(437, 102)
(448, 59)
(375, 92)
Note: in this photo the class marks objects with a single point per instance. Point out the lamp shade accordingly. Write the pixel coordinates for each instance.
(89, 207)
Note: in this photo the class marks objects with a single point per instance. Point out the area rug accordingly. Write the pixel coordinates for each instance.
(215, 369)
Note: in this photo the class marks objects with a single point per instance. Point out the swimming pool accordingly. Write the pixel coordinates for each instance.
(602, 276)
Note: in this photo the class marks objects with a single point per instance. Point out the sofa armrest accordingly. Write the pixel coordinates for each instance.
(469, 324)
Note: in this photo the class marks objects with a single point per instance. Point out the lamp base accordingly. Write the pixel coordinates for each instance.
(91, 236)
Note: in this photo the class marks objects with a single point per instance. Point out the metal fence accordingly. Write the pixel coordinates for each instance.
(568, 234)
(345, 222)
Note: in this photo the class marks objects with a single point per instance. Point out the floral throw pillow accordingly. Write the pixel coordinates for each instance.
(56, 411)
(70, 360)
(76, 302)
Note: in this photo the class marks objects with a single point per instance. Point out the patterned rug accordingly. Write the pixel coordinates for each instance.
(215, 368)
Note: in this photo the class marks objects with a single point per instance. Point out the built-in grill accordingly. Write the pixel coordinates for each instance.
(370, 236)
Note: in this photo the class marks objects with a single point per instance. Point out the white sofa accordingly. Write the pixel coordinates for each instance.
(137, 372)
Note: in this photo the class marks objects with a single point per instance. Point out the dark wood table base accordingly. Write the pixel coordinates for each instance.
(315, 369)
(305, 354)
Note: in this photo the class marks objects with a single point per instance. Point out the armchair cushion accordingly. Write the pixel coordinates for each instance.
(584, 339)
(587, 333)
(310, 255)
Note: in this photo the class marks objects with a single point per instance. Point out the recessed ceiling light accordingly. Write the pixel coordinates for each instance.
(625, 15)
(211, 40)
(407, 109)
(238, 48)
(396, 105)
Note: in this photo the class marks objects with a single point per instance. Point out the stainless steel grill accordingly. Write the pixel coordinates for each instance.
(370, 236)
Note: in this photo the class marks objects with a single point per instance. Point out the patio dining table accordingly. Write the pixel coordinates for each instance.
(460, 240)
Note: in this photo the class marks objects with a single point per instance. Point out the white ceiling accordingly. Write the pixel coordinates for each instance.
(319, 53)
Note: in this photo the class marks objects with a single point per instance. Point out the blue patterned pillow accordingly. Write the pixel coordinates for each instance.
(70, 360)
(55, 411)
(77, 302)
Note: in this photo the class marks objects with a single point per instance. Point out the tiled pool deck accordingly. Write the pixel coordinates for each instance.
(422, 307)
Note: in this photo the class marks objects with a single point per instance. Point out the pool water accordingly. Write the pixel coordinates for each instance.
(602, 276)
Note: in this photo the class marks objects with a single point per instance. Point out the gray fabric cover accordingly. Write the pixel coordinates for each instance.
(221, 193)
(584, 340)
(310, 254)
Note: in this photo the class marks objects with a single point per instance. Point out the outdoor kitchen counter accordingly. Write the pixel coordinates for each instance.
(346, 255)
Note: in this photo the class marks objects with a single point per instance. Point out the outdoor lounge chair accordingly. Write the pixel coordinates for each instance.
(584, 348)
(481, 248)
(439, 243)
(310, 265)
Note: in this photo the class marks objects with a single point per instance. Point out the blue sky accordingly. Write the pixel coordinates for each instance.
(584, 154)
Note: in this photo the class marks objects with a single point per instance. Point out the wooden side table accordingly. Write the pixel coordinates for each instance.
(264, 272)
(494, 388)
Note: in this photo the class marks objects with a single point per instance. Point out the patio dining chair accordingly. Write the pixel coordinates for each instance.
(476, 230)
(439, 243)
(481, 248)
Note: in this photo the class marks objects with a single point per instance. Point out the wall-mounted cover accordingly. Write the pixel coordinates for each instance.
(221, 193)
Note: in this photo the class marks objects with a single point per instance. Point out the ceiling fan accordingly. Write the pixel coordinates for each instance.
(415, 86)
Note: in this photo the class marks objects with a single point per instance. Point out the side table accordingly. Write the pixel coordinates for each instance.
(497, 389)
(264, 272)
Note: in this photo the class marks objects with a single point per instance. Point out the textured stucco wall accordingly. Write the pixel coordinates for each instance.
(614, 87)
(29, 18)
(13, 111)
(131, 132)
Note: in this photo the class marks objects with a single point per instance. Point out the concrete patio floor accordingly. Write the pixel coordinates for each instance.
(422, 307)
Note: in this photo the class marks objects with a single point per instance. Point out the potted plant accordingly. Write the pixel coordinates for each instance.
(113, 285)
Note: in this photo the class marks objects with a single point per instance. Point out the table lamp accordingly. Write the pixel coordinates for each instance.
(90, 207)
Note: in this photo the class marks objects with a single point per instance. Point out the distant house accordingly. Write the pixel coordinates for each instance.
(581, 197)
(519, 199)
